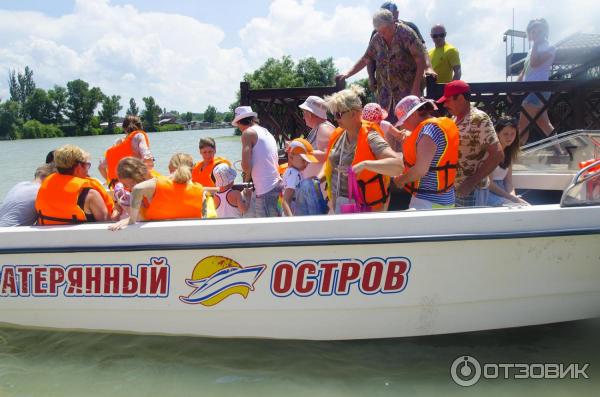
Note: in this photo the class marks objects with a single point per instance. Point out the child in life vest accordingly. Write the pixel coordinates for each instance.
(301, 196)
(229, 202)
(122, 202)
(374, 113)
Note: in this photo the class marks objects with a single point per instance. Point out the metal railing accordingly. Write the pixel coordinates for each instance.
(571, 104)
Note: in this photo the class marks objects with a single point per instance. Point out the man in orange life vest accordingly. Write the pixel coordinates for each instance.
(70, 195)
(134, 144)
(202, 171)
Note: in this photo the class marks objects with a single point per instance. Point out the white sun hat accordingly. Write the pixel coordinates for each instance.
(224, 174)
(316, 105)
(241, 112)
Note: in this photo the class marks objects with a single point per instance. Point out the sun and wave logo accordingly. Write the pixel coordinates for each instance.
(215, 278)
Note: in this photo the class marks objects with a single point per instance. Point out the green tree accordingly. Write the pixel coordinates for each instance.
(58, 96)
(210, 114)
(133, 109)
(81, 104)
(275, 73)
(369, 95)
(21, 87)
(9, 120)
(284, 73)
(316, 73)
(111, 106)
(188, 117)
(34, 129)
(150, 114)
(228, 117)
(38, 106)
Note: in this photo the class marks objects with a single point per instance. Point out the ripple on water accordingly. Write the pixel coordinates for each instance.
(43, 363)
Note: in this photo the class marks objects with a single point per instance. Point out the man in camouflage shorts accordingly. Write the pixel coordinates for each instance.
(479, 150)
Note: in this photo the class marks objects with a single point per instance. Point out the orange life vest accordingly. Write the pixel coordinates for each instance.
(108, 201)
(445, 168)
(282, 168)
(60, 200)
(373, 187)
(202, 173)
(116, 152)
(174, 201)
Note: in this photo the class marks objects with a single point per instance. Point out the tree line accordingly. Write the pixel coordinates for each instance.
(33, 112)
(285, 73)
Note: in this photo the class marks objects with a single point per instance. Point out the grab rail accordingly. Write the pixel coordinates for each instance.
(551, 140)
(575, 181)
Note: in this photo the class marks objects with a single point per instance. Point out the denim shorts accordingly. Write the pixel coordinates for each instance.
(494, 200)
(533, 100)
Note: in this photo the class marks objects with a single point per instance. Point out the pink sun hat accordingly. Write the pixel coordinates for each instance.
(374, 113)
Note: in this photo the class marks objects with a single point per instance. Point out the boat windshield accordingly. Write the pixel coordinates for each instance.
(584, 190)
(560, 154)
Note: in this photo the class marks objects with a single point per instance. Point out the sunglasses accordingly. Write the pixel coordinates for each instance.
(438, 35)
(85, 163)
(338, 115)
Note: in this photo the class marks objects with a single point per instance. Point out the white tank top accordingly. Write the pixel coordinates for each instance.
(499, 174)
(541, 72)
(265, 167)
(225, 209)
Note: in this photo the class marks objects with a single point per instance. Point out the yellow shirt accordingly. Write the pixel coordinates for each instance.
(443, 60)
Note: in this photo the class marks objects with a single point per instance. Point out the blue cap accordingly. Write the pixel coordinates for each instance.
(391, 6)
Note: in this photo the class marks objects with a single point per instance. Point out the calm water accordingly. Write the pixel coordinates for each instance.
(19, 159)
(35, 363)
(62, 364)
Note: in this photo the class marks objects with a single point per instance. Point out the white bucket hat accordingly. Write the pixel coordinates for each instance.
(241, 112)
(407, 106)
(224, 174)
(316, 105)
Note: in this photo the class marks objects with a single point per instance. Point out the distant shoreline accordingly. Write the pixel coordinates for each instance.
(196, 128)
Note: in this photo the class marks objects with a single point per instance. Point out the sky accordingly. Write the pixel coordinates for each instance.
(189, 54)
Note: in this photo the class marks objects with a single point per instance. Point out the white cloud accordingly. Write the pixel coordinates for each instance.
(297, 28)
(174, 58)
(184, 65)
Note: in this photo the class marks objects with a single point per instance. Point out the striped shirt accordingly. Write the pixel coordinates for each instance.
(429, 181)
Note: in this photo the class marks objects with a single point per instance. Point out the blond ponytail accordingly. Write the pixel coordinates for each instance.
(181, 165)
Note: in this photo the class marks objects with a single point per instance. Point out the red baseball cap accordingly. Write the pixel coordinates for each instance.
(455, 87)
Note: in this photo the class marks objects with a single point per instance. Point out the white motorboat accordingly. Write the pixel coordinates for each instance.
(374, 275)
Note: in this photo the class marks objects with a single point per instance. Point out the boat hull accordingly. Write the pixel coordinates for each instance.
(387, 285)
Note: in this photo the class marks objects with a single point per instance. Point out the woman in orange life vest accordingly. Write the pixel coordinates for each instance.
(173, 197)
(352, 142)
(430, 155)
(70, 195)
(130, 171)
(202, 171)
(135, 143)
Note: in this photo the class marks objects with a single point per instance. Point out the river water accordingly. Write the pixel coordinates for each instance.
(63, 364)
(19, 159)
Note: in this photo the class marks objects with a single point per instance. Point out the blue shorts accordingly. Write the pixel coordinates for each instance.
(533, 100)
